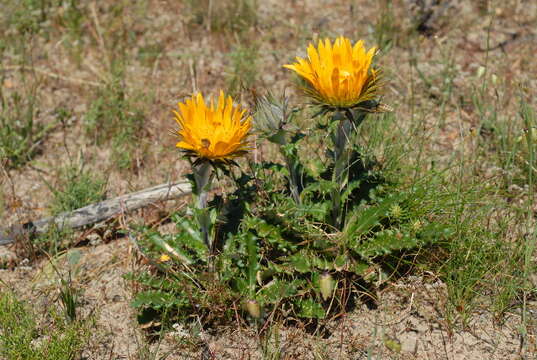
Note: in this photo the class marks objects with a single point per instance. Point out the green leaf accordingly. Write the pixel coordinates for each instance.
(158, 300)
(309, 308)
(360, 267)
(242, 285)
(277, 290)
(321, 186)
(278, 138)
(156, 238)
(386, 242)
(321, 263)
(253, 265)
(392, 344)
(340, 262)
(189, 236)
(363, 220)
(351, 186)
(268, 233)
(300, 263)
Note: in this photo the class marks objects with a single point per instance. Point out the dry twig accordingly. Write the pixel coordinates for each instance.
(97, 212)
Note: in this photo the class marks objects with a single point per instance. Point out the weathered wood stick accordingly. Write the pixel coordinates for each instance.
(97, 212)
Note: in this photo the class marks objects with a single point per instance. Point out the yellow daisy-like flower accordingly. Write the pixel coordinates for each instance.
(339, 75)
(217, 133)
(164, 258)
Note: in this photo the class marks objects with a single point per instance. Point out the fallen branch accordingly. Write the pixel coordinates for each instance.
(97, 212)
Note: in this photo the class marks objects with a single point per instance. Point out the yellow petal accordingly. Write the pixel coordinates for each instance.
(216, 132)
(337, 72)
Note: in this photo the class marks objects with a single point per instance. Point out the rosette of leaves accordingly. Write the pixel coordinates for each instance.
(279, 254)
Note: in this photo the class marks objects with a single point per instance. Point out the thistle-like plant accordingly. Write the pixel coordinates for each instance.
(211, 137)
(340, 79)
(298, 250)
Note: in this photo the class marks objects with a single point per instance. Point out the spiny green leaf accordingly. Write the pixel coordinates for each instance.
(299, 262)
(308, 308)
(277, 290)
(158, 300)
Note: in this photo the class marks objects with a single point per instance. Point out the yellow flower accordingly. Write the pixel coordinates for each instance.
(218, 132)
(164, 258)
(339, 74)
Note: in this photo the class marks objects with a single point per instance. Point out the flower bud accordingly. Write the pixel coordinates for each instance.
(326, 283)
(271, 115)
(253, 309)
(396, 211)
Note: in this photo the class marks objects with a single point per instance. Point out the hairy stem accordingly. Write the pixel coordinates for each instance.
(291, 163)
(342, 158)
(203, 175)
(340, 175)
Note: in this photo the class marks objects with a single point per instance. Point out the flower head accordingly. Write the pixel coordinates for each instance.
(217, 133)
(271, 114)
(338, 75)
(272, 117)
(164, 258)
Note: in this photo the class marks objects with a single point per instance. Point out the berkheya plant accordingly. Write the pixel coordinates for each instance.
(287, 238)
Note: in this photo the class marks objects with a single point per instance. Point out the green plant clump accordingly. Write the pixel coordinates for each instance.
(23, 338)
(114, 118)
(77, 188)
(20, 133)
(302, 239)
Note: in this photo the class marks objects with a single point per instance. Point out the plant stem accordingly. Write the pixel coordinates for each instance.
(288, 150)
(342, 158)
(203, 175)
(292, 168)
(340, 175)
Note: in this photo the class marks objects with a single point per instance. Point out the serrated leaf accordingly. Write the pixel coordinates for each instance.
(321, 263)
(351, 186)
(253, 265)
(433, 232)
(300, 262)
(157, 300)
(278, 138)
(242, 285)
(309, 308)
(268, 233)
(385, 242)
(362, 220)
(277, 289)
(360, 267)
(321, 186)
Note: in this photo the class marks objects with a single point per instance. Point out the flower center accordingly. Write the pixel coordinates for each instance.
(343, 74)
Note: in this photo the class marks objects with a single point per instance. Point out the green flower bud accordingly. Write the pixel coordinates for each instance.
(417, 225)
(326, 283)
(271, 115)
(253, 309)
(396, 211)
